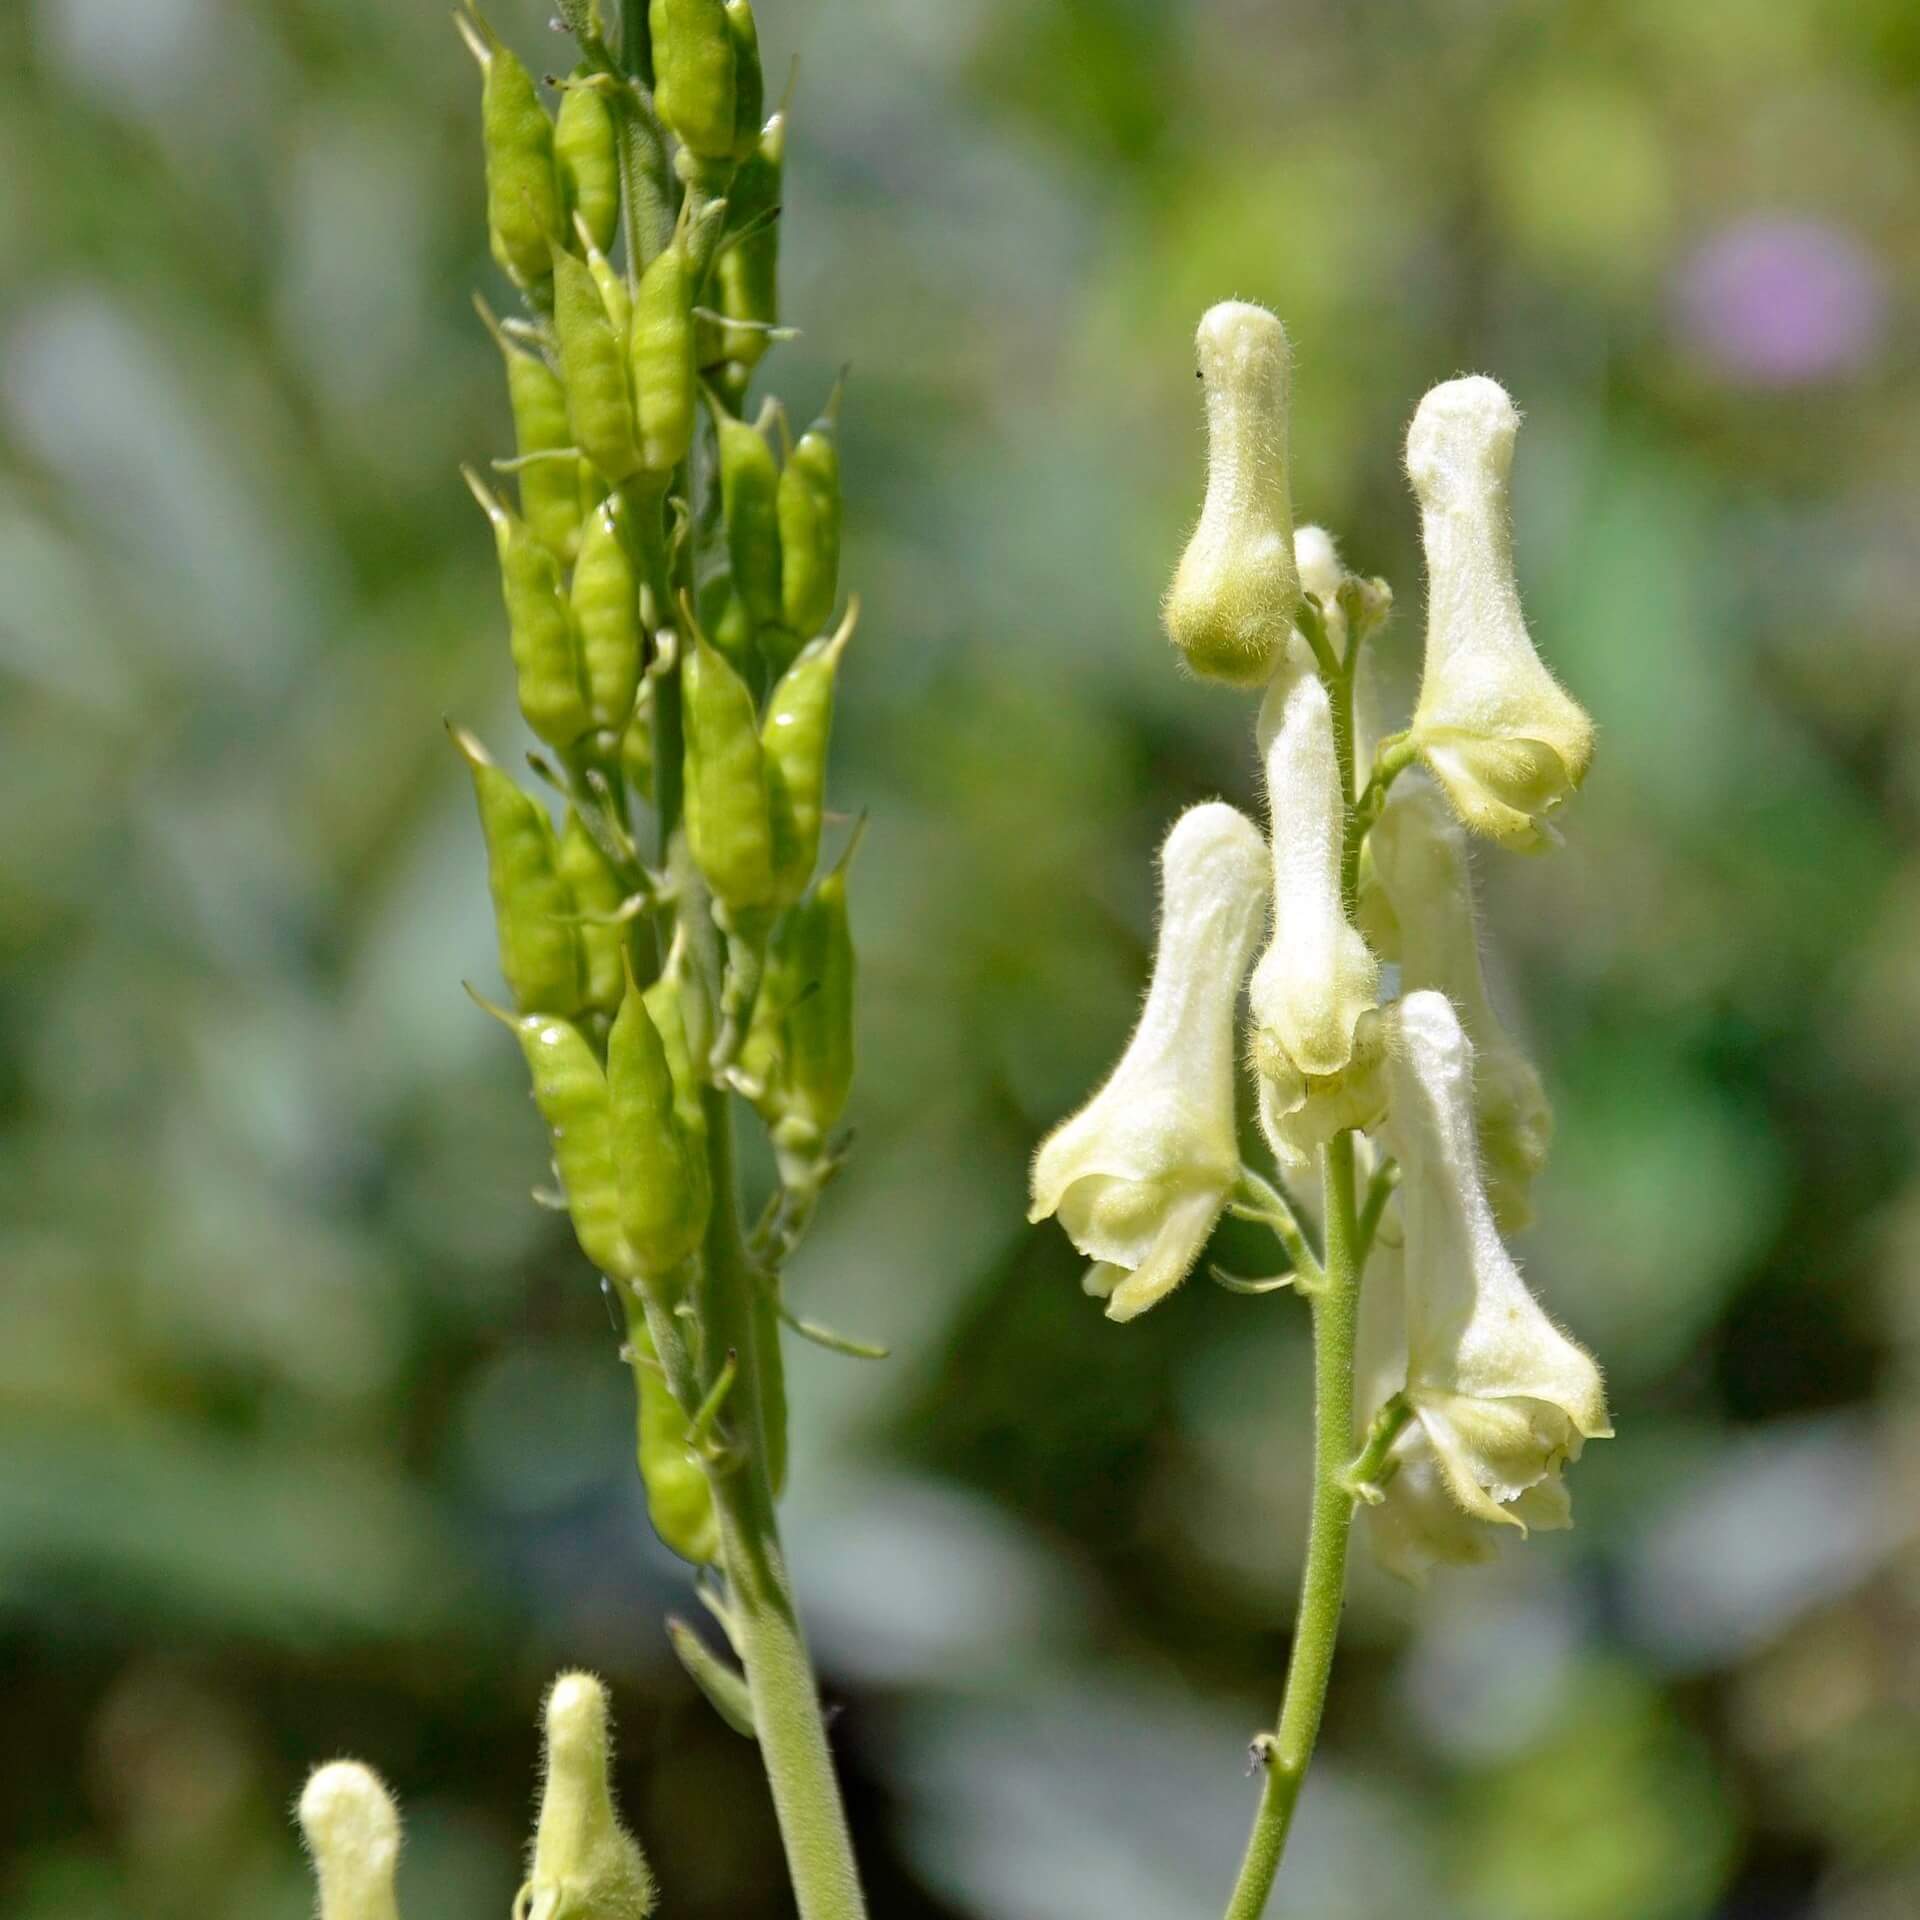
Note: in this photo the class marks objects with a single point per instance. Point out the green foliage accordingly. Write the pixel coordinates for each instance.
(274, 1481)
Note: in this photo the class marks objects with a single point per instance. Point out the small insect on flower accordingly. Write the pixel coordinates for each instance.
(1141, 1173)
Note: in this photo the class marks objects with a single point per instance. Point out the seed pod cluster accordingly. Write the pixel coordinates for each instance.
(669, 561)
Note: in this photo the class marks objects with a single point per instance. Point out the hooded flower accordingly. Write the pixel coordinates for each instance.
(1420, 863)
(1493, 725)
(1317, 982)
(1139, 1175)
(1501, 1396)
(1234, 594)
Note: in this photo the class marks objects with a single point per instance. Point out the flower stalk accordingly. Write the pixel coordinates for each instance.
(1446, 1403)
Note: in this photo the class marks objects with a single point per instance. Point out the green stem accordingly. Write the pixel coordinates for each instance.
(786, 1700)
(1287, 1751)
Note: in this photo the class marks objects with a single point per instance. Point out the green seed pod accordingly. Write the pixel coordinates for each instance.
(606, 613)
(549, 491)
(658, 1195)
(817, 1072)
(746, 272)
(749, 85)
(679, 1500)
(809, 506)
(596, 891)
(523, 189)
(594, 358)
(533, 908)
(693, 67)
(650, 179)
(587, 160)
(724, 617)
(794, 734)
(749, 491)
(729, 825)
(608, 282)
(661, 356)
(546, 648)
(571, 1092)
(667, 1008)
(586, 1865)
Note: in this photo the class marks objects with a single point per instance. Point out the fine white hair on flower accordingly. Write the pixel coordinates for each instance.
(1502, 1395)
(1234, 594)
(1140, 1174)
(1420, 862)
(1500, 734)
(352, 1830)
(1316, 977)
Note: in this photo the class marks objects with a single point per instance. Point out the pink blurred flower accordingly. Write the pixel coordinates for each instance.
(1780, 302)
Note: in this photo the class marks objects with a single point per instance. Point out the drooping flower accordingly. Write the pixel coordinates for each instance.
(1421, 865)
(1140, 1174)
(1503, 1397)
(1317, 981)
(1498, 732)
(1415, 1524)
(1231, 605)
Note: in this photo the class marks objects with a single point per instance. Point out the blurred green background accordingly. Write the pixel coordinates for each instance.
(312, 1437)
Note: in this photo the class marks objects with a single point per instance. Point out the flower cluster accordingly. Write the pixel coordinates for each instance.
(1368, 1011)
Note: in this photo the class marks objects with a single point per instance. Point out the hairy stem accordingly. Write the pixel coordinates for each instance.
(1287, 1751)
(1336, 1311)
(786, 1700)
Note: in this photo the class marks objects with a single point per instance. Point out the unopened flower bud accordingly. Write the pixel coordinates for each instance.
(352, 1831)
(1494, 726)
(1234, 594)
(586, 1866)
(1140, 1174)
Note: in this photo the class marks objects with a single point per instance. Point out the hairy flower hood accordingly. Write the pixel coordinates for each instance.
(1231, 605)
(1139, 1175)
(1494, 726)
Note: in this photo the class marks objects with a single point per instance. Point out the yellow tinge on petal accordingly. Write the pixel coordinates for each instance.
(1500, 734)
(1231, 605)
(1503, 1397)
(1139, 1175)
